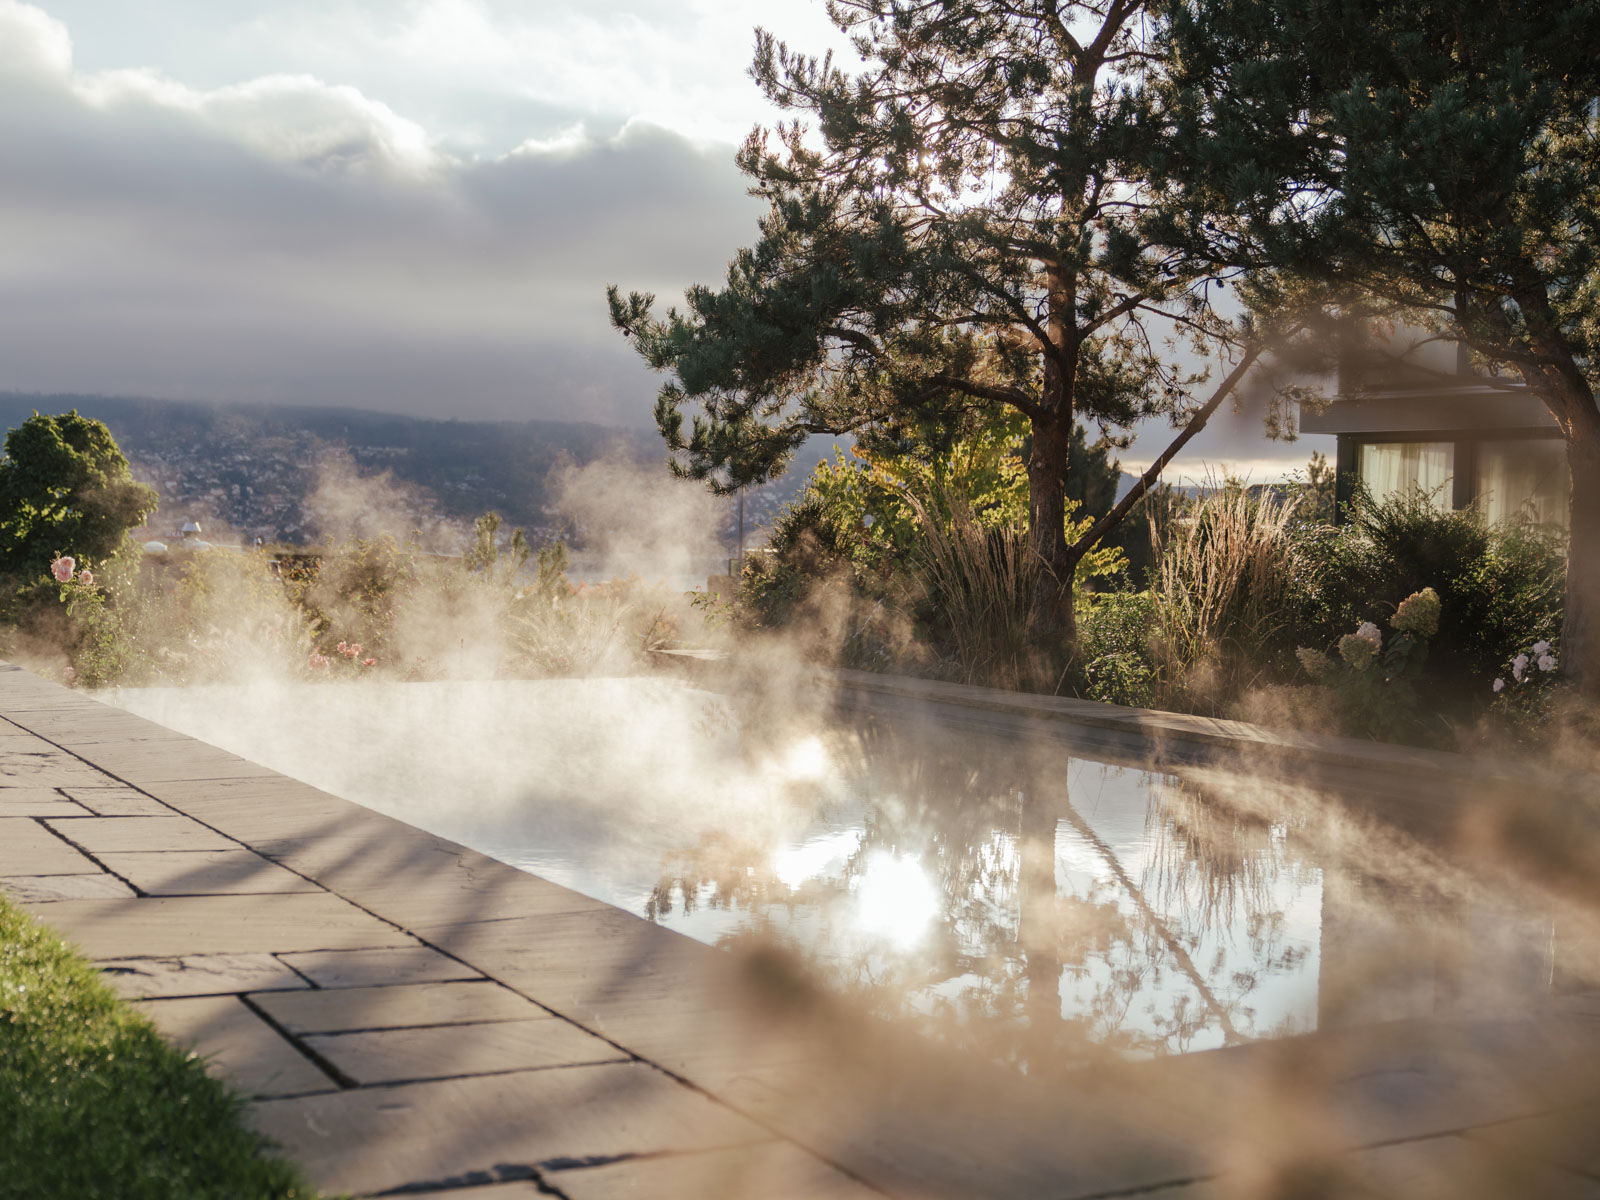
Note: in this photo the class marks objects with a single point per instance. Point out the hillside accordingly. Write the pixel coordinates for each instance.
(251, 468)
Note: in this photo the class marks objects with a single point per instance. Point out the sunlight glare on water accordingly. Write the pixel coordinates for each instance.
(895, 899)
(796, 864)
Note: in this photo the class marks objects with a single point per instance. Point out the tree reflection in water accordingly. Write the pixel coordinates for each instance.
(1073, 906)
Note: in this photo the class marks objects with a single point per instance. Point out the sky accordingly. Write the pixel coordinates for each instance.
(408, 205)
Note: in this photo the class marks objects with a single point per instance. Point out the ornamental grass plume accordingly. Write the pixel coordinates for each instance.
(1418, 614)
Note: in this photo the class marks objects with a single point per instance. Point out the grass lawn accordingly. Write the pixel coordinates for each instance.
(94, 1104)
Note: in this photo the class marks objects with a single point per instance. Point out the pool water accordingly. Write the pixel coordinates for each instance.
(984, 887)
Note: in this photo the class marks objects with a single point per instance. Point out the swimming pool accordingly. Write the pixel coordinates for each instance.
(985, 887)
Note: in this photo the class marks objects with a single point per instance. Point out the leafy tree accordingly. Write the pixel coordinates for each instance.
(65, 488)
(963, 235)
(1437, 159)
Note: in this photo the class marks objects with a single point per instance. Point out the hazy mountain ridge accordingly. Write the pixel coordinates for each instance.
(249, 468)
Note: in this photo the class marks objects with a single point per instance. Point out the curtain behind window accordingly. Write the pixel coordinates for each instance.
(1390, 467)
(1524, 481)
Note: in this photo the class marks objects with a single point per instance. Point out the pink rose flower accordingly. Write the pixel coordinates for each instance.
(86, 578)
(63, 568)
(369, 662)
(317, 661)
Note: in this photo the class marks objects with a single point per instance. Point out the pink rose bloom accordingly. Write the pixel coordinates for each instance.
(369, 662)
(86, 578)
(63, 568)
(316, 660)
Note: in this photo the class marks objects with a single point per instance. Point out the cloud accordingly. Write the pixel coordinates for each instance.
(288, 239)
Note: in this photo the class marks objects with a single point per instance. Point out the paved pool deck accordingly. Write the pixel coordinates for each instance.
(411, 1017)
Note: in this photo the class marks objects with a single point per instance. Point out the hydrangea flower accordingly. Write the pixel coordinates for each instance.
(1357, 651)
(1499, 686)
(1418, 613)
(1519, 664)
(1367, 631)
(1314, 662)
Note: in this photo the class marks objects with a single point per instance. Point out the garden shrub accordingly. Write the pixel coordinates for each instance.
(1499, 588)
(1114, 647)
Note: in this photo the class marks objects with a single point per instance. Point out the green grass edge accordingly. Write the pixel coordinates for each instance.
(95, 1104)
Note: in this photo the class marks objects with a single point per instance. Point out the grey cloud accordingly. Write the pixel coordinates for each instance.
(152, 248)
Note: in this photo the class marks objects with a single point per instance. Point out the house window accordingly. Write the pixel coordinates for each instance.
(1523, 481)
(1388, 468)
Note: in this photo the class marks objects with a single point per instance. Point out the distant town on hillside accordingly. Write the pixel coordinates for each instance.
(248, 470)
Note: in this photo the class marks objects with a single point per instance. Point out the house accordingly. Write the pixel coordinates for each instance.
(1429, 421)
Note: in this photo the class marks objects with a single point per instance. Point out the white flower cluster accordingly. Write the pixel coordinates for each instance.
(1537, 655)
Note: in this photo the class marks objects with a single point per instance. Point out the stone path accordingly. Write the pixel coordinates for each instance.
(408, 1015)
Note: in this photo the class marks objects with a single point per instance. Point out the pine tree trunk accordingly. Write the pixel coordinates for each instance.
(1050, 614)
(1580, 628)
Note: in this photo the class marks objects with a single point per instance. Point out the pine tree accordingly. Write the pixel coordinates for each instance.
(959, 230)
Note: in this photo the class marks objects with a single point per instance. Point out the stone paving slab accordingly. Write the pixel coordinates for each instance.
(201, 975)
(775, 1171)
(519, 1120)
(37, 802)
(101, 835)
(367, 968)
(27, 847)
(155, 762)
(238, 1045)
(416, 878)
(342, 1010)
(447, 1051)
(169, 926)
(45, 889)
(45, 771)
(118, 802)
(203, 872)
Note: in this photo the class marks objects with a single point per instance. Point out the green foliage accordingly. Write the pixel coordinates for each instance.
(484, 554)
(65, 488)
(1498, 587)
(1115, 632)
(1316, 491)
(933, 530)
(96, 1106)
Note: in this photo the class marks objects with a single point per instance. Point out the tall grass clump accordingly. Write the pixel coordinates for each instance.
(1223, 575)
(978, 577)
